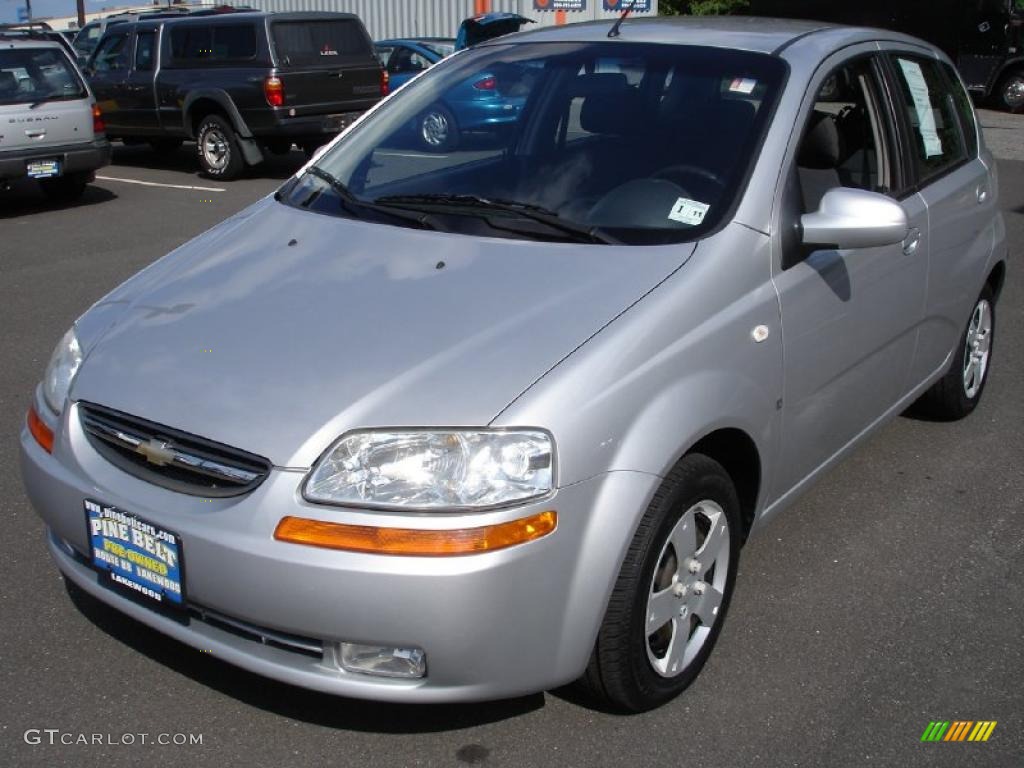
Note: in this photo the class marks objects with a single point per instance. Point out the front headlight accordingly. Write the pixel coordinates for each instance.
(443, 469)
(60, 372)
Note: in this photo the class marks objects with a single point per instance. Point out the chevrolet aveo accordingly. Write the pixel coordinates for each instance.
(436, 427)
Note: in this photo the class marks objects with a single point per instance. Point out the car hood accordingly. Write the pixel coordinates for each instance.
(280, 329)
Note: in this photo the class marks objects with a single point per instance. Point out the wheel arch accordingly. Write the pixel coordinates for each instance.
(199, 104)
(996, 279)
(737, 452)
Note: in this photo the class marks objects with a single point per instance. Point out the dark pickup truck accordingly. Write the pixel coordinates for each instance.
(240, 84)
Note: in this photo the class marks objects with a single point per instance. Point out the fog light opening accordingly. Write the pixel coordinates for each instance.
(381, 660)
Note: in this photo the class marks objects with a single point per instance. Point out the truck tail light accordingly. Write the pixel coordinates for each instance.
(385, 83)
(273, 89)
(98, 126)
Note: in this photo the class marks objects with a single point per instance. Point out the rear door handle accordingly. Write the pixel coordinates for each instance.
(913, 241)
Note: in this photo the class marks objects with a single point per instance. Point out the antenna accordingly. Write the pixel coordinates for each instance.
(614, 31)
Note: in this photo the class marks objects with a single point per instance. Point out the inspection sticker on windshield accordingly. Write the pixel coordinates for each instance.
(744, 85)
(688, 211)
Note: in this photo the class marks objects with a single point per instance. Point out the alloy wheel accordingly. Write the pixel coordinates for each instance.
(978, 348)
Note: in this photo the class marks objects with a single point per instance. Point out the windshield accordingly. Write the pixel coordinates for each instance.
(643, 143)
(29, 76)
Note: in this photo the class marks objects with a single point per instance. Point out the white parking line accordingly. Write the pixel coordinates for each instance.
(157, 184)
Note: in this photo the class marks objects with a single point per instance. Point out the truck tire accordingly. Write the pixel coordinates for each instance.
(65, 189)
(220, 157)
(1009, 93)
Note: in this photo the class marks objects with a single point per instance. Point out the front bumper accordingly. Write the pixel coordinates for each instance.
(74, 158)
(493, 625)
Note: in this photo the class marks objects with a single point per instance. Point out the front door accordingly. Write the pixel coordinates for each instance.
(136, 96)
(849, 317)
(109, 69)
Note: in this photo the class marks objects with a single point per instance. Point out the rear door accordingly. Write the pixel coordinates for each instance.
(43, 101)
(956, 186)
(327, 65)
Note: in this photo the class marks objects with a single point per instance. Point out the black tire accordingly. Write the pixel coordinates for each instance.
(279, 147)
(166, 146)
(437, 130)
(621, 674)
(220, 156)
(65, 189)
(951, 397)
(1009, 93)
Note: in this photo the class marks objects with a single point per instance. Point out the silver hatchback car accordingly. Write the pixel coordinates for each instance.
(454, 426)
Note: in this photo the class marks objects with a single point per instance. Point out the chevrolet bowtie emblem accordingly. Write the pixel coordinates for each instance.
(156, 452)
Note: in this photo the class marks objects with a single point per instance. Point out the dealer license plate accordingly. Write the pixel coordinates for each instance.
(43, 169)
(136, 555)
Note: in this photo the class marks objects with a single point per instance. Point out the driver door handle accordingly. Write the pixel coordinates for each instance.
(912, 242)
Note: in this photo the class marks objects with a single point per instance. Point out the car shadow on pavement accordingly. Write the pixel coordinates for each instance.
(289, 701)
(183, 160)
(24, 198)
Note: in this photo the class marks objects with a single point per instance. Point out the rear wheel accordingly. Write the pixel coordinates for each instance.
(957, 393)
(1010, 91)
(220, 157)
(673, 590)
(67, 188)
(437, 129)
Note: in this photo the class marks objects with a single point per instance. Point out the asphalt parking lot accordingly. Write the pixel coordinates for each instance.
(889, 596)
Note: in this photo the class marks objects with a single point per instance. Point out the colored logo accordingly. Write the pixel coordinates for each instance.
(958, 730)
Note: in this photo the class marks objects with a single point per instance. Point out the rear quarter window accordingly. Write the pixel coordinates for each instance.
(323, 43)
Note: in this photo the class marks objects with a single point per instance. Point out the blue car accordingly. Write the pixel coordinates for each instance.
(481, 106)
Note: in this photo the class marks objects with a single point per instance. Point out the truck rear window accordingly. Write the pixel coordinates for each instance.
(29, 76)
(321, 43)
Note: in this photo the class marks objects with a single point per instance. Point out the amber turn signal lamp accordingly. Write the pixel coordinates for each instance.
(42, 433)
(415, 541)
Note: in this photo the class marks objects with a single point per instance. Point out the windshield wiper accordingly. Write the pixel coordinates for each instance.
(351, 202)
(579, 232)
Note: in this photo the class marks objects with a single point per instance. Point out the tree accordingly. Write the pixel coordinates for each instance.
(701, 7)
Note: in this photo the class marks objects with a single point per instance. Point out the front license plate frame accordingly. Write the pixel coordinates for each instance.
(136, 557)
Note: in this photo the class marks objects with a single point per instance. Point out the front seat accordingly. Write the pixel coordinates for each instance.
(818, 160)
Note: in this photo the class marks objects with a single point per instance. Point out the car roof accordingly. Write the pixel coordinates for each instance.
(748, 33)
(227, 18)
(6, 43)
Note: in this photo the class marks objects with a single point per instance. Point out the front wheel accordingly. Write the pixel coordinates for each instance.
(220, 157)
(1010, 91)
(957, 393)
(673, 590)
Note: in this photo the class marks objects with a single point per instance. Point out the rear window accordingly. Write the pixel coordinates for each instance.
(29, 76)
(321, 43)
(220, 44)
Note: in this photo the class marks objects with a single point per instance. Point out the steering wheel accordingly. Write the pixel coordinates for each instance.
(684, 171)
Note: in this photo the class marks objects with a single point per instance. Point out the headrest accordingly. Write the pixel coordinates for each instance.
(610, 106)
(8, 82)
(821, 147)
(599, 82)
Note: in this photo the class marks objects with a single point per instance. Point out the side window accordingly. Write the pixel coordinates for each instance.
(144, 50)
(935, 139)
(191, 43)
(384, 54)
(845, 143)
(964, 107)
(405, 60)
(112, 53)
(234, 42)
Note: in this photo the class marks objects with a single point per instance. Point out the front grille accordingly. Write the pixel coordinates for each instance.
(170, 458)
